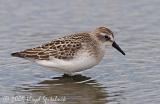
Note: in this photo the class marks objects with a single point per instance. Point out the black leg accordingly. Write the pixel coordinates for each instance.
(66, 75)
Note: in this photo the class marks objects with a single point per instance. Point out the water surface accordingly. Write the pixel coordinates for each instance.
(133, 79)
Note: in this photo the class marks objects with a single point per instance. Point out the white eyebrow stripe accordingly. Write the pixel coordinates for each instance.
(103, 34)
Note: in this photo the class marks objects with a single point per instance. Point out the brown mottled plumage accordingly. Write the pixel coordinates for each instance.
(62, 48)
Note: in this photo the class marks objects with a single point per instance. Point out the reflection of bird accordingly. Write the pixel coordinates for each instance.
(76, 89)
(73, 53)
(65, 78)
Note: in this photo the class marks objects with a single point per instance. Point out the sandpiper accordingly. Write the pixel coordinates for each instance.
(72, 53)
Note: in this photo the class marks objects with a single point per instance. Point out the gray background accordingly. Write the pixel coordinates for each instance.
(133, 79)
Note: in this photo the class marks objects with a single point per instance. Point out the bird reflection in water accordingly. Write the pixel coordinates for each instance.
(76, 89)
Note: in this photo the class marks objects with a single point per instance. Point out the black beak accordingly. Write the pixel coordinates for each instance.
(116, 46)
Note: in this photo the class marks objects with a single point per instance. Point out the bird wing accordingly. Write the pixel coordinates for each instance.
(62, 48)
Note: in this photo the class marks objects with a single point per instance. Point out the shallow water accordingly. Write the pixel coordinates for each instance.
(133, 79)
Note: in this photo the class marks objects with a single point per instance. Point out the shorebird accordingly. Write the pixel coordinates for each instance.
(72, 53)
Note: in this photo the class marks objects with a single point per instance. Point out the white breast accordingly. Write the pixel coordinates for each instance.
(79, 63)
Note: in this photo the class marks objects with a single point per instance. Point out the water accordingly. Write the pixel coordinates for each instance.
(133, 79)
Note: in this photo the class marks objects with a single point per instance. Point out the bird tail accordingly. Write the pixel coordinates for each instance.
(17, 54)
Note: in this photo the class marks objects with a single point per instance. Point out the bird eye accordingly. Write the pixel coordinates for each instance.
(107, 37)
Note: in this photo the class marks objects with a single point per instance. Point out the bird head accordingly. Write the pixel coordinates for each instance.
(106, 36)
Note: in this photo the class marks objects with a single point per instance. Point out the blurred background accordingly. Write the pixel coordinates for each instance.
(118, 79)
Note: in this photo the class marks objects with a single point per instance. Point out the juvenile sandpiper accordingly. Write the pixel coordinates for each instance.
(72, 53)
